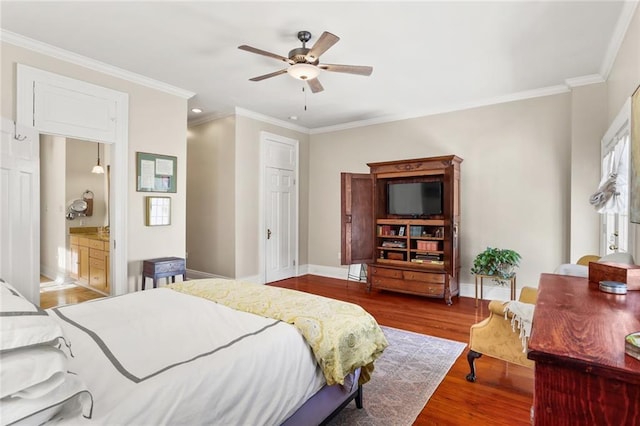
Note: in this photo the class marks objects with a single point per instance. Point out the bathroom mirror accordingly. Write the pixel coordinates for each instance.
(79, 206)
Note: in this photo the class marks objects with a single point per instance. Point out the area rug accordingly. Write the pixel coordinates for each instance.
(406, 375)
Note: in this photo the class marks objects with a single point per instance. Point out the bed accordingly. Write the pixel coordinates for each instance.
(197, 352)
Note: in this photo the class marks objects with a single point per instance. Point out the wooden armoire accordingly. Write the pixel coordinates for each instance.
(404, 253)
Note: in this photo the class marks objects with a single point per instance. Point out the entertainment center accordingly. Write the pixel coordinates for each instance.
(402, 219)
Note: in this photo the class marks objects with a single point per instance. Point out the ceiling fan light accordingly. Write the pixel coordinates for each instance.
(303, 71)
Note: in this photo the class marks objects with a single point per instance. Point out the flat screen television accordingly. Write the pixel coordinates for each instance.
(414, 199)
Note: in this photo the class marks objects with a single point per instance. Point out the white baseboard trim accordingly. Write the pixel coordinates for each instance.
(195, 275)
(490, 291)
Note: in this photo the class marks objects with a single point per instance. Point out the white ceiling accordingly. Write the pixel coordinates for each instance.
(427, 57)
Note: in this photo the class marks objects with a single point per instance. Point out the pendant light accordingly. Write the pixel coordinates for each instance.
(98, 168)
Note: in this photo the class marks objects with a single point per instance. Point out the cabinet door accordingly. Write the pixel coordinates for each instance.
(357, 229)
(83, 264)
(74, 262)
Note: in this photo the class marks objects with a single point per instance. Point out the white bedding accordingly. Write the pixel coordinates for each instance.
(163, 357)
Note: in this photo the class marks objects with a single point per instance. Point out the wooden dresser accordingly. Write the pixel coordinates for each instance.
(582, 374)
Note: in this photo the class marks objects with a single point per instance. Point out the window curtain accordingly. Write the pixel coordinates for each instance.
(612, 195)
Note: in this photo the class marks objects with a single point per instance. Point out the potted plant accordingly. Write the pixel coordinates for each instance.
(498, 263)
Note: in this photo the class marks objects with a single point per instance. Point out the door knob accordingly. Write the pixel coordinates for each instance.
(268, 234)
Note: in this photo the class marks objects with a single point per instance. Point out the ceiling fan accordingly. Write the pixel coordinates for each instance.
(304, 62)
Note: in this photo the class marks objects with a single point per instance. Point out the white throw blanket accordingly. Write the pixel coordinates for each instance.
(522, 316)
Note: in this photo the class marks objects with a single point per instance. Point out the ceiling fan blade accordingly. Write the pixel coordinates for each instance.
(349, 69)
(325, 41)
(265, 53)
(314, 85)
(273, 74)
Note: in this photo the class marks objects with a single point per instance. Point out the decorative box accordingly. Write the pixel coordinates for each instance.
(395, 256)
(610, 271)
(427, 245)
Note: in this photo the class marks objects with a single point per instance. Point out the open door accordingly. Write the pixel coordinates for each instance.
(20, 211)
(356, 217)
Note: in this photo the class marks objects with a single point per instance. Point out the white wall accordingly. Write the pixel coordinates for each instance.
(211, 219)
(247, 189)
(81, 157)
(223, 233)
(515, 188)
(588, 124)
(53, 254)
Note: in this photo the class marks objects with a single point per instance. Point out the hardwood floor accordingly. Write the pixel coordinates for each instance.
(502, 394)
(57, 295)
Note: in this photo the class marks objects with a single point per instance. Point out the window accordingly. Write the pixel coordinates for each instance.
(613, 192)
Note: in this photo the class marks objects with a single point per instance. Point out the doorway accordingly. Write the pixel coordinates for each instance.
(75, 109)
(279, 207)
(74, 199)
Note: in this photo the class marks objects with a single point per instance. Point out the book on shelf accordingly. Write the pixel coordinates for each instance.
(394, 244)
(429, 256)
(428, 262)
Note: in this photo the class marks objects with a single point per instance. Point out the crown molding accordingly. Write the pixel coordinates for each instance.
(628, 9)
(275, 121)
(545, 91)
(83, 61)
(584, 80)
(208, 118)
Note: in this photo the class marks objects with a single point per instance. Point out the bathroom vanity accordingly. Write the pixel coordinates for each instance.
(89, 249)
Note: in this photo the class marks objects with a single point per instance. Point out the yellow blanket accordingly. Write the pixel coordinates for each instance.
(342, 335)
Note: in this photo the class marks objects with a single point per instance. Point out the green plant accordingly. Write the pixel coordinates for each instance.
(496, 262)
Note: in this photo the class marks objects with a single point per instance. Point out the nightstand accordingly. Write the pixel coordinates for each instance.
(163, 267)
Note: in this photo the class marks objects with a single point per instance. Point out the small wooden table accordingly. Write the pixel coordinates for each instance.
(479, 278)
(163, 267)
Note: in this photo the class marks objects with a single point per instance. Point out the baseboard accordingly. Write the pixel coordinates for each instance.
(52, 273)
(490, 292)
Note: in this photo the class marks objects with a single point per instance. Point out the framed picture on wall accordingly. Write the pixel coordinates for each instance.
(155, 172)
(158, 211)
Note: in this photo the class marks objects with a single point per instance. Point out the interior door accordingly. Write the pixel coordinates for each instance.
(280, 223)
(356, 217)
(20, 211)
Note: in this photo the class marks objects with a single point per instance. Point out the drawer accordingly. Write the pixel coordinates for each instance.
(413, 287)
(424, 277)
(161, 268)
(384, 272)
(170, 267)
(97, 244)
(97, 264)
(97, 254)
(73, 239)
(83, 241)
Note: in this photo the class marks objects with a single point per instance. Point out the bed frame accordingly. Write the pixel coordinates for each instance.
(326, 404)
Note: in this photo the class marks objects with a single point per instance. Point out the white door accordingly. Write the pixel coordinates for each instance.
(20, 208)
(279, 208)
(280, 245)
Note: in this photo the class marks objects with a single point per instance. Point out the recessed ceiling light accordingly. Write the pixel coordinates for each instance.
(196, 110)
(293, 117)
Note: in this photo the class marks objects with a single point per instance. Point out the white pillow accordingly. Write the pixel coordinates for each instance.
(22, 324)
(72, 395)
(22, 369)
